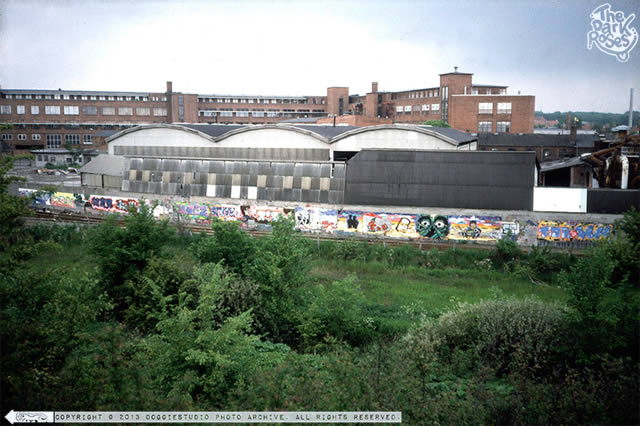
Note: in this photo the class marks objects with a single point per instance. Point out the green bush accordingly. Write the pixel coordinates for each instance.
(505, 335)
(338, 311)
(229, 244)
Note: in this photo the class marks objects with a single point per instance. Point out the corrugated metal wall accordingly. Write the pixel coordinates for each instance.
(287, 154)
(262, 180)
(608, 200)
(473, 179)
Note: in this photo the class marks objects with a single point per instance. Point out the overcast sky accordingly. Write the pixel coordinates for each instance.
(276, 47)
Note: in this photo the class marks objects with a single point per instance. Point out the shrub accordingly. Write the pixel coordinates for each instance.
(229, 244)
(504, 334)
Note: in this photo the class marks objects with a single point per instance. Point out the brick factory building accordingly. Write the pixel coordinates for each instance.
(54, 118)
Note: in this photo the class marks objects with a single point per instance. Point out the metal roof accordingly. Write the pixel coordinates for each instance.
(560, 164)
(457, 135)
(111, 165)
(535, 140)
(71, 92)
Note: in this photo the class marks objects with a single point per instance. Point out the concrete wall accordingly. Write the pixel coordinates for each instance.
(560, 199)
(526, 228)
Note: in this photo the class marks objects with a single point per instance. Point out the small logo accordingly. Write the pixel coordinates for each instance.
(611, 32)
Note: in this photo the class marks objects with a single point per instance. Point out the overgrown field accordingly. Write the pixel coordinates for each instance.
(141, 318)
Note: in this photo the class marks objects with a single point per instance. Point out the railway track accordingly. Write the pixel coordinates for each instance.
(91, 219)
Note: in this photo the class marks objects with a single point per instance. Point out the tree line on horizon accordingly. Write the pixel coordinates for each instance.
(597, 119)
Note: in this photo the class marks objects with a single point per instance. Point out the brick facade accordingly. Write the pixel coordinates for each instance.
(34, 114)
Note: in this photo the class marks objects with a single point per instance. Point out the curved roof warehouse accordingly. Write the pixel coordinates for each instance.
(387, 164)
(280, 141)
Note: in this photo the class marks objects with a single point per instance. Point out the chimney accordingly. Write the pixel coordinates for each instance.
(455, 69)
(169, 87)
(568, 124)
(631, 110)
(574, 132)
(374, 87)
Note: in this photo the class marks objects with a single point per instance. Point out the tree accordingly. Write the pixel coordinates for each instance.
(436, 123)
(123, 253)
(12, 209)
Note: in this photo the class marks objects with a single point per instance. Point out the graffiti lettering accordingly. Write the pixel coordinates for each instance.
(568, 231)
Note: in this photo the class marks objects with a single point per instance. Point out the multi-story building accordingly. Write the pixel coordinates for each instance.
(56, 118)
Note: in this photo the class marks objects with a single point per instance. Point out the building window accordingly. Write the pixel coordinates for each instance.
(125, 111)
(435, 107)
(257, 113)
(72, 139)
(484, 126)
(54, 141)
(5, 109)
(504, 107)
(503, 91)
(108, 111)
(143, 111)
(56, 97)
(35, 137)
(159, 112)
(273, 113)
(111, 98)
(19, 109)
(22, 137)
(90, 110)
(88, 139)
(399, 109)
(485, 108)
(242, 113)
(66, 97)
(84, 97)
(474, 90)
(425, 108)
(407, 108)
(546, 154)
(503, 126)
(52, 109)
(120, 98)
(7, 136)
(102, 98)
(128, 98)
(93, 98)
(35, 110)
(71, 110)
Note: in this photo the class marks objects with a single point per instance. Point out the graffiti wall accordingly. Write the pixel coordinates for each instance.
(57, 199)
(475, 228)
(316, 220)
(112, 204)
(346, 222)
(571, 231)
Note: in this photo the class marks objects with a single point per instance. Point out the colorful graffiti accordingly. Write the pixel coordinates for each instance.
(388, 224)
(195, 212)
(112, 204)
(56, 199)
(571, 231)
(316, 220)
(479, 228)
(63, 199)
(434, 227)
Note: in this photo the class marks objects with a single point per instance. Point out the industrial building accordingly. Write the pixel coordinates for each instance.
(41, 119)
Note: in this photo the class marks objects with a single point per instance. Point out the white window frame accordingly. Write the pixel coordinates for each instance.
(504, 107)
(52, 109)
(5, 109)
(71, 110)
(485, 107)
